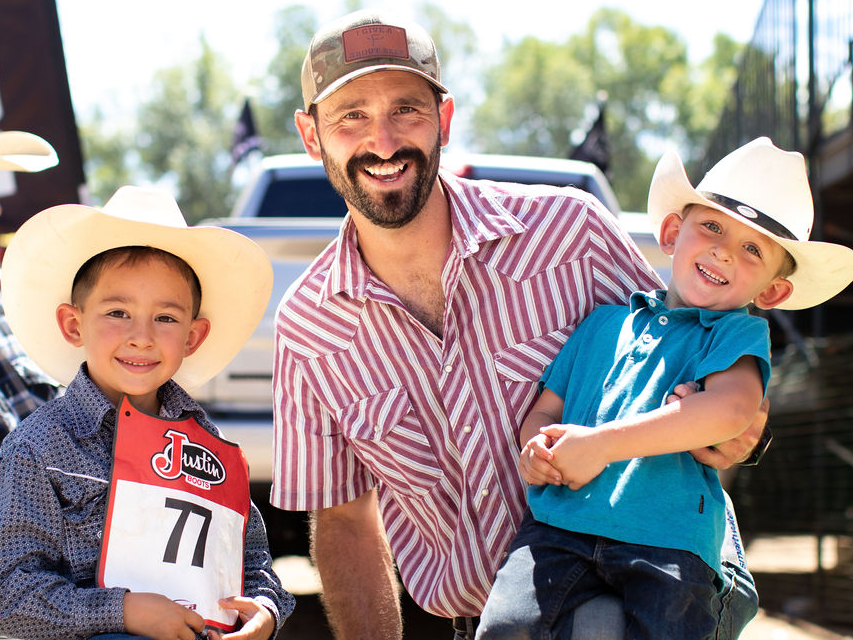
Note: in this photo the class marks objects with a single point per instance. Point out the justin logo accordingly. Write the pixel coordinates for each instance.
(196, 463)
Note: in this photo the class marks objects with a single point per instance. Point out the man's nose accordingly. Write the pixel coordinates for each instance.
(384, 137)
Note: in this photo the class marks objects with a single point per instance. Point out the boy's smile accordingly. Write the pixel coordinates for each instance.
(135, 327)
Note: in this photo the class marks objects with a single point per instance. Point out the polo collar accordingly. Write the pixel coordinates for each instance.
(653, 301)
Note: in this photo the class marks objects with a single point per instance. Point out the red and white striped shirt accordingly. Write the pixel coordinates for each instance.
(366, 396)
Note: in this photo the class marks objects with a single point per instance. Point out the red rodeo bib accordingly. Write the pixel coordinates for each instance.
(177, 513)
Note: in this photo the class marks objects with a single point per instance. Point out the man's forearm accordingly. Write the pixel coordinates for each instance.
(360, 588)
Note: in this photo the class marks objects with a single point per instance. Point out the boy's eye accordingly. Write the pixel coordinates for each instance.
(753, 250)
(165, 318)
(117, 313)
(712, 226)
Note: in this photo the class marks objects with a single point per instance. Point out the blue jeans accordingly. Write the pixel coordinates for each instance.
(551, 572)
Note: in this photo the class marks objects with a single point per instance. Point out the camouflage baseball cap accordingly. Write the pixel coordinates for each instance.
(363, 42)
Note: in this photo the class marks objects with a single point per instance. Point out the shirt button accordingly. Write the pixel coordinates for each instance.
(663, 319)
(504, 555)
(647, 338)
(653, 303)
(467, 428)
(448, 368)
(377, 429)
(484, 492)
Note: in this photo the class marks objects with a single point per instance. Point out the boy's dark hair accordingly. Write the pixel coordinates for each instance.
(87, 275)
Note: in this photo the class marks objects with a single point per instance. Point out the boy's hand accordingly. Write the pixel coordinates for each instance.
(577, 457)
(155, 616)
(534, 462)
(258, 621)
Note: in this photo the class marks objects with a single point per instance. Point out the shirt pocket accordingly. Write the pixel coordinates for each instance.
(519, 368)
(82, 501)
(389, 439)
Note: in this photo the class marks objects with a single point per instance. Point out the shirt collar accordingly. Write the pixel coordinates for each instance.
(95, 409)
(653, 301)
(476, 216)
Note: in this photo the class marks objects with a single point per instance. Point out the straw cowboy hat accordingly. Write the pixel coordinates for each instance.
(47, 251)
(21, 151)
(767, 189)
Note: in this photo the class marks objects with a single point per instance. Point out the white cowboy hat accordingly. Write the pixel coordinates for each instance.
(45, 254)
(767, 189)
(22, 151)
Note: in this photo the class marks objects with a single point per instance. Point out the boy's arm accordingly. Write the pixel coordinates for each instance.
(38, 598)
(722, 411)
(534, 462)
(260, 582)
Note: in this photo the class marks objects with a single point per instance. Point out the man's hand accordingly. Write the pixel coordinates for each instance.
(155, 616)
(729, 453)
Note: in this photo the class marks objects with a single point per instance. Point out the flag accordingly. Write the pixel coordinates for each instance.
(35, 97)
(245, 138)
(595, 147)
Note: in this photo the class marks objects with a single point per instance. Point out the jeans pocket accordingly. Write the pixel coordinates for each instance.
(738, 602)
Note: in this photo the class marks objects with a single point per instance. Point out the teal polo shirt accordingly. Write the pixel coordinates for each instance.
(623, 361)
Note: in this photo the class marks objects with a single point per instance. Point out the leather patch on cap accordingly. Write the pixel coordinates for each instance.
(375, 41)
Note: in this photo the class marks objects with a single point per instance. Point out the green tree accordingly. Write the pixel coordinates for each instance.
(280, 92)
(538, 93)
(109, 163)
(184, 134)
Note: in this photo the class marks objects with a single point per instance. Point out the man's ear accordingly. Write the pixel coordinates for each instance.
(308, 132)
(68, 319)
(774, 294)
(669, 229)
(445, 114)
(199, 330)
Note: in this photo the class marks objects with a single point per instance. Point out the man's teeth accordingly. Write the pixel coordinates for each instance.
(384, 170)
(711, 276)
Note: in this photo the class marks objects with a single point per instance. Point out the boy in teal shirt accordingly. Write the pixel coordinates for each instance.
(618, 508)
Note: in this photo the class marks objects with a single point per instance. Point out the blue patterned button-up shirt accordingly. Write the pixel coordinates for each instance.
(54, 477)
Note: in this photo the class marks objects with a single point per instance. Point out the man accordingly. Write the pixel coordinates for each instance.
(409, 352)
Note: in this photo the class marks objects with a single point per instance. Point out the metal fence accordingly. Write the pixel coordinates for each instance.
(763, 101)
(800, 51)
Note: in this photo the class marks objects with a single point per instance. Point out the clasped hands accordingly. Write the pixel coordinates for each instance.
(568, 454)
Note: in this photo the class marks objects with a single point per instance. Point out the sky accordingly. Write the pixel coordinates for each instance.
(112, 47)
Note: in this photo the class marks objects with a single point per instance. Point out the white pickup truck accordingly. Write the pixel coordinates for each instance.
(272, 210)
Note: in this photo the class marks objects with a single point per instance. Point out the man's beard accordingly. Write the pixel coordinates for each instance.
(392, 209)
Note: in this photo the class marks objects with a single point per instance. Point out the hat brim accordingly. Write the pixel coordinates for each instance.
(358, 73)
(22, 151)
(47, 251)
(823, 269)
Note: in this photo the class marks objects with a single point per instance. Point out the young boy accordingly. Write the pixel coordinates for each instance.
(610, 512)
(122, 511)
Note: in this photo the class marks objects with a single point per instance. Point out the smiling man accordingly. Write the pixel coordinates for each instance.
(409, 353)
